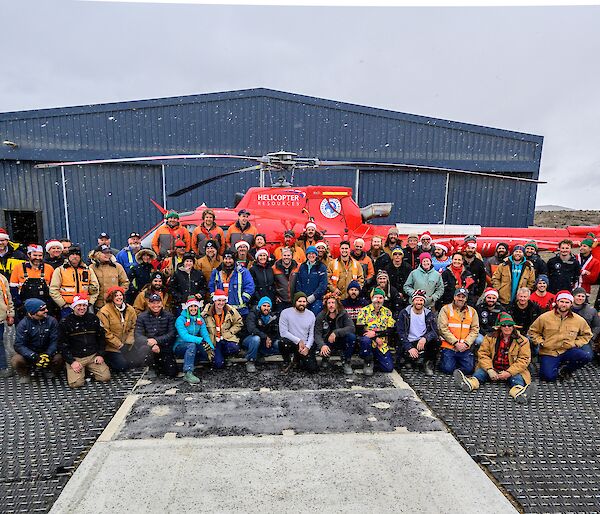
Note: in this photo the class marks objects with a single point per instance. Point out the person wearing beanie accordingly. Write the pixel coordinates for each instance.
(398, 271)
(310, 237)
(285, 271)
(54, 256)
(563, 338)
(374, 326)
(343, 270)
(165, 237)
(355, 301)
(7, 315)
(440, 260)
(81, 342)
(587, 312)
(541, 296)
(391, 242)
(488, 310)
(263, 337)
(9, 254)
(412, 251)
(118, 321)
(458, 326)
(235, 280)
(139, 273)
(210, 261)
(240, 230)
(531, 254)
(417, 334)
(36, 342)
(208, 230)
(289, 241)
(504, 356)
(193, 342)
(360, 256)
(170, 264)
(491, 263)
(473, 262)
(73, 278)
(563, 269)
(297, 328)
(513, 273)
(425, 278)
(590, 266)
(157, 285)
(456, 276)
(312, 280)
(186, 281)
(392, 299)
(264, 277)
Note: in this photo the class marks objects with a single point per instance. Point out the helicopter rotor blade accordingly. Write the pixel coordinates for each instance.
(148, 159)
(208, 180)
(417, 167)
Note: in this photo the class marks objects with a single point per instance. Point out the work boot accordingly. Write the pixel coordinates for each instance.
(24, 379)
(465, 383)
(5, 373)
(288, 366)
(368, 368)
(190, 378)
(522, 394)
(564, 375)
(428, 369)
(325, 363)
(348, 368)
(250, 367)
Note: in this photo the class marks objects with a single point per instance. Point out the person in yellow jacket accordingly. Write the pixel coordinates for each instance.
(511, 274)
(72, 279)
(342, 271)
(564, 340)
(504, 356)
(9, 254)
(109, 272)
(458, 326)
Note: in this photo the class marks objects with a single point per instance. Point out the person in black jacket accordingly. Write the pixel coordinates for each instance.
(140, 274)
(475, 265)
(334, 331)
(563, 269)
(487, 310)
(81, 342)
(523, 310)
(454, 277)
(398, 271)
(264, 279)
(263, 333)
(392, 297)
(417, 334)
(539, 265)
(155, 329)
(185, 282)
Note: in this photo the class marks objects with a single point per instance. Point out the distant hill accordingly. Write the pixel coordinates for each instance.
(544, 208)
(561, 219)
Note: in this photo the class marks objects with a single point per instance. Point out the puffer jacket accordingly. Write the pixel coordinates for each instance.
(519, 354)
(160, 327)
(191, 329)
(429, 281)
(264, 282)
(502, 279)
(555, 335)
(232, 324)
(118, 326)
(35, 337)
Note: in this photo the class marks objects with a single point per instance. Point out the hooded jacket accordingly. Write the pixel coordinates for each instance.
(108, 275)
(241, 287)
(191, 329)
(429, 281)
(403, 328)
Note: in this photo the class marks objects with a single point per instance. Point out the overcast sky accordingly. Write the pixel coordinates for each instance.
(531, 70)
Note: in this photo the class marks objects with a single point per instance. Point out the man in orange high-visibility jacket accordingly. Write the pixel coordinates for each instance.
(165, 237)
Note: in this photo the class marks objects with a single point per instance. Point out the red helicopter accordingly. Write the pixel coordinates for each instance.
(337, 216)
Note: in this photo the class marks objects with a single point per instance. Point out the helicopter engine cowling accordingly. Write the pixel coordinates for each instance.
(376, 210)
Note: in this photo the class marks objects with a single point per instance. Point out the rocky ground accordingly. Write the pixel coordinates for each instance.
(561, 219)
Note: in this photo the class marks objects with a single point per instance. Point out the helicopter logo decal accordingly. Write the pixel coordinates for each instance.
(330, 207)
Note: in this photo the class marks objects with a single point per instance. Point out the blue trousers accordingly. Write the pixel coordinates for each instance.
(3, 362)
(343, 345)
(316, 307)
(254, 346)
(383, 359)
(572, 360)
(451, 360)
(192, 353)
(222, 350)
(481, 375)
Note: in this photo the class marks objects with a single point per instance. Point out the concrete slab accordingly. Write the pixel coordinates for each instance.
(302, 473)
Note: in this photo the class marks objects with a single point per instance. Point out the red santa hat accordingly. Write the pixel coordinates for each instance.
(321, 244)
(219, 294)
(34, 248)
(309, 225)
(262, 251)
(242, 243)
(4, 234)
(426, 233)
(52, 243)
(490, 291)
(442, 247)
(81, 299)
(564, 295)
(192, 300)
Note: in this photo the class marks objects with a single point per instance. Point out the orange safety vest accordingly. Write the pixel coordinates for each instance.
(73, 281)
(459, 326)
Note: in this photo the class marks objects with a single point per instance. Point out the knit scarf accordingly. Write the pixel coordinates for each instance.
(517, 270)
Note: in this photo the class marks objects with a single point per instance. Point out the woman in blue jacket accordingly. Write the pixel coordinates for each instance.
(193, 341)
(312, 280)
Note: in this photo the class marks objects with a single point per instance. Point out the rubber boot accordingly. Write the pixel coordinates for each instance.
(463, 382)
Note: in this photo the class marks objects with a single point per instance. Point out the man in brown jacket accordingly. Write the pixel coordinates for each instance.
(563, 338)
(108, 272)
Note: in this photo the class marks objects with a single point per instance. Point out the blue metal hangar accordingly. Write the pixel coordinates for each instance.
(81, 201)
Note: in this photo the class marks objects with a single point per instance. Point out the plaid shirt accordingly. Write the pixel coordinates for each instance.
(501, 356)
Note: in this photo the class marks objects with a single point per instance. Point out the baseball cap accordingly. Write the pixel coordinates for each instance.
(103, 235)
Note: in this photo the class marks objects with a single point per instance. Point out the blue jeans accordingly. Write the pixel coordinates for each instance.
(254, 346)
(345, 345)
(3, 362)
(192, 353)
(479, 339)
(451, 360)
(382, 357)
(223, 349)
(572, 360)
(481, 375)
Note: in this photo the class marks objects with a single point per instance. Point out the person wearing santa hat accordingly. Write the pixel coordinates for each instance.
(241, 230)
(309, 237)
(54, 255)
(488, 310)
(426, 242)
(242, 254)
(263, 276)
(440, 259)
(323, 253)
(563, 338)
(32, 280)
(9, 254)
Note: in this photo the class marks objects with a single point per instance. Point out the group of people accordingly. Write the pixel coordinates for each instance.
(207, 295)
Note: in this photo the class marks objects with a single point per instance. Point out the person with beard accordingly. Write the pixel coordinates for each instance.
(456, 276)
(391, 298)
(539, 265)
(9, 254)
(425, 278)
(241, 230)
(289, 242)
(475, 265)
(512, 274)
(173, 261)
(360, 256)
(391, 242)
(210, 261)
(73, 278)
(344, 270)
(563, 269)
(488, 310)
(7, 315)
(563, 338)
(587, 312)
(126, 257)
(376, 249)
(334, 332)
(165, 237)
(186, 282)
(323, 253)
(208, 230)
(260, 242)
(104, 239)
(541, 295)
(139, 274)
(412, 251)
(109, 273)
(157, 285)
(66, 244)
(312, 280)
(354, 302)
(491, 263)
(263, 276)
(242, 254)
(590, 266)
(54, 253)
(285, 270)
(310, 237)
(32, 280)
(440, 259)
(263, 332)
(426, 242)
(235, 280)
(296, 328)
(398, 271)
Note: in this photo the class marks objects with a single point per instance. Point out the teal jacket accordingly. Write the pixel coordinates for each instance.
(430, 281)
(191, 329)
